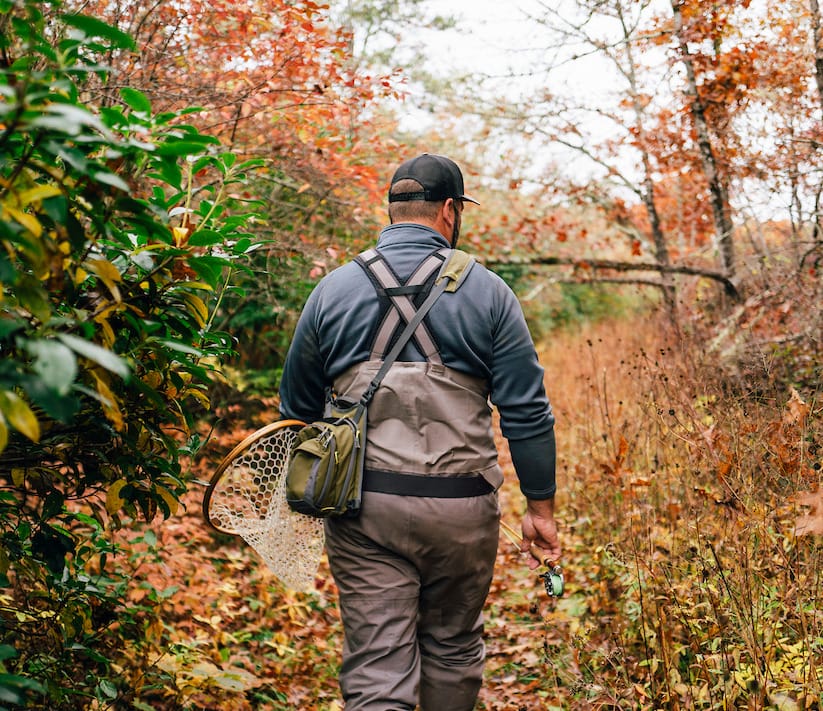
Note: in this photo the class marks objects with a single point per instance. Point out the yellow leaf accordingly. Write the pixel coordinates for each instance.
(180, 235)
(197, 308)
(41, 192)
(107, 332)
(19, 415)
(108, 273)
(153, 379)
(4, 433)
(18, 476)
(114, 502)
(80, 275)
(104, 269)
(109, 402)
(199, 285)
(200, 396)
(30, 222)
(782, 701)
(169, 498)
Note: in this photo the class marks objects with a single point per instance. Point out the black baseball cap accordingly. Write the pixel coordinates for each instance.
(439, 176)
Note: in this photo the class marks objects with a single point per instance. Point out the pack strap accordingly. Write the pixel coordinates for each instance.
(441, 283)
(402, 306)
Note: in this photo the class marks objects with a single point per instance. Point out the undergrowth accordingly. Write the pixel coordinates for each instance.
(691, 520)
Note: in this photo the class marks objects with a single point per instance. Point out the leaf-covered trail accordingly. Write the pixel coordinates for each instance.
(235, 638)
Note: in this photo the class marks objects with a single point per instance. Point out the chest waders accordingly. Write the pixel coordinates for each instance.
(414, 569)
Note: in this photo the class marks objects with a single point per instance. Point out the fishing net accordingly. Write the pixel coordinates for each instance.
(247, 498)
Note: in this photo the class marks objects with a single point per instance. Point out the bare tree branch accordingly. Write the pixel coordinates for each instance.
(608, 264)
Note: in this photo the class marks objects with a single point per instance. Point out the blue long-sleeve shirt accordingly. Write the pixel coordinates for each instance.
(479, 330)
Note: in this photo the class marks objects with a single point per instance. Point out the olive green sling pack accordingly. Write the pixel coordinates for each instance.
(325, 471)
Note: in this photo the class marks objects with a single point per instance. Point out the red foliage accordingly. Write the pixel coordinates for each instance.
(274, 79)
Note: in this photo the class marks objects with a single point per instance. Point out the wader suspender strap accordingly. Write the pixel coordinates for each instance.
(402, 307)
(415, 321)
(454, 265)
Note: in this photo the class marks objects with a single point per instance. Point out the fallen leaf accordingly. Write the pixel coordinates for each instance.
(810, 523)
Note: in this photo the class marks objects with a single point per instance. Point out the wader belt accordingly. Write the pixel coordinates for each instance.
(440, 487)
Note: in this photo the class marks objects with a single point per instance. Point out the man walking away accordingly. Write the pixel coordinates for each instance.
(413, 569)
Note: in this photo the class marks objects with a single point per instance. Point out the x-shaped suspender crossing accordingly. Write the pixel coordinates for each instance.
(402, 305)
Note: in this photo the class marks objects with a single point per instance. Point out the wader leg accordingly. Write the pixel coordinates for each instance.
(378, 592)
(450, 628)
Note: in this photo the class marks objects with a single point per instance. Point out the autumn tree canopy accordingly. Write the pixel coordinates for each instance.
(709, 119)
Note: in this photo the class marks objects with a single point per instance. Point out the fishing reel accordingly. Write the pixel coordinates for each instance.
(553, 577)
(553, 581)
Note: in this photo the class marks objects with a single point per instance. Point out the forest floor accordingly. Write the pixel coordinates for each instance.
(667, 543)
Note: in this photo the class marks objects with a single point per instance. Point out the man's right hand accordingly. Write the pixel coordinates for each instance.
(540, 530)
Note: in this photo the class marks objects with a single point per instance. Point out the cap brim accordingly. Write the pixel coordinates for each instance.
(466, 198)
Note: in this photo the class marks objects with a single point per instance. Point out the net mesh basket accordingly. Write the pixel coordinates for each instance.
(249, 500)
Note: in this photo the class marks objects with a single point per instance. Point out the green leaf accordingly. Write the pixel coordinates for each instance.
(9, 325)
(103, 357)
(170, 173)
(56, 208)
(241, 246)
(180, 347)
(93, 27)
(54, 364)
(88, 520)
(62, 408)
(115, 181)
(4, 433)
(209, 269)
(180, 148)
(33, 297)
(108, 689)
(136, 100)
(204, 238)
(12, 687)
(67, 118)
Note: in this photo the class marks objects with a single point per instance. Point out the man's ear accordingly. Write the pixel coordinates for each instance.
(447, 211)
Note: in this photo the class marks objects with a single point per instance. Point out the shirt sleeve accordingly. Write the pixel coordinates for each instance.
(517, 388)
(534, 461)
(519, 393)
(302, 385)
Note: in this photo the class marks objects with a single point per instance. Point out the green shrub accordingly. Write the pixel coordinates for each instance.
(116, 244)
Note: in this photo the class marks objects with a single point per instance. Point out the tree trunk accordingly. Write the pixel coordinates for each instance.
(661, 247)
(718, 190)
(817, 37)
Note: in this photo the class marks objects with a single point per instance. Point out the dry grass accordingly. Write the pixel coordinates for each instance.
(680, 494)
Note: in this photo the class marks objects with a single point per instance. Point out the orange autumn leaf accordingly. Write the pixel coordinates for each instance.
(810, 523)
